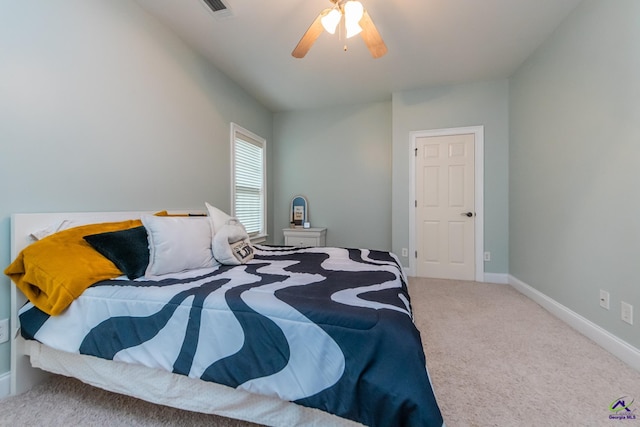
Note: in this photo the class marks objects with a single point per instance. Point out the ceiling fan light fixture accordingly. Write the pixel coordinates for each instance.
(353, 12)
(357, 21)
(331, 20)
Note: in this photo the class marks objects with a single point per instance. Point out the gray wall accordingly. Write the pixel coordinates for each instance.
(101, 108)
(339, 158)
(483, 103)
(574, 209)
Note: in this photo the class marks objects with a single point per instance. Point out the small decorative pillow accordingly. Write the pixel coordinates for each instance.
(178, 244)
(127, 249)
(231, 244)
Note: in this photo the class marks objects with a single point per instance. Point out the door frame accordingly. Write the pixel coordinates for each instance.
(478, 132)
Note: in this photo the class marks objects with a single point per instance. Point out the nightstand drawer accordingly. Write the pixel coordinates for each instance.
(301, 242)
(304, 237)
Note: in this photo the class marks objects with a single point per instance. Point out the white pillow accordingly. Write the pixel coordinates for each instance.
(178, 244)
(54, 228)
(218, 218)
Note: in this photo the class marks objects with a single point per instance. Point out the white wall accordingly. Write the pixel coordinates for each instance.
(340, 159)
(482, 103)
(102, 108)
(574, 209)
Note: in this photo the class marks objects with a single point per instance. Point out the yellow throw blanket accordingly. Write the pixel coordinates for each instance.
(54, 271)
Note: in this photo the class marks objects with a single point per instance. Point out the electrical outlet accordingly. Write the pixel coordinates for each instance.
(405, 252)
(626, 312)
(487, 256)
(604, 299)
(4, 330)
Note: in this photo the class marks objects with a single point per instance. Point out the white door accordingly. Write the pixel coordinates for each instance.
(445, 217)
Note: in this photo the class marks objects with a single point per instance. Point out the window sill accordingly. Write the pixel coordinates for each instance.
(261, 238)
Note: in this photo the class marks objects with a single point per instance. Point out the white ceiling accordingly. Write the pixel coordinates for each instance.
(430, 42)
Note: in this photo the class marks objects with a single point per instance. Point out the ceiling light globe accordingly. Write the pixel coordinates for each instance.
(353, 12)
(331, 20)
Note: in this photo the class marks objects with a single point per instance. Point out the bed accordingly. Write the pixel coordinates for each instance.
(293, 336)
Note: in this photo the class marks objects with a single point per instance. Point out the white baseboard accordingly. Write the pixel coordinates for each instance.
(5, 385)
(500, 278)
(619, 348)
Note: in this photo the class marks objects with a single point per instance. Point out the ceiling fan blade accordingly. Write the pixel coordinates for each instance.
(307, 40)
(371, 37)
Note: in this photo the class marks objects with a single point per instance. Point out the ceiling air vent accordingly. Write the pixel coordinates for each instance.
(216, 5)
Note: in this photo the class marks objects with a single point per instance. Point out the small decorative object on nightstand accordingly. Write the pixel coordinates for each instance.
(299, 211)
(304, 237)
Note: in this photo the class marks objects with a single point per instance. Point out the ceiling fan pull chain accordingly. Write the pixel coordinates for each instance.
(341, 33)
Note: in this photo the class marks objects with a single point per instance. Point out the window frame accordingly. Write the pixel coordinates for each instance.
(238, 132)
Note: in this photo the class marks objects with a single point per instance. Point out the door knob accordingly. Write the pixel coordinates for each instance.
(467, 214)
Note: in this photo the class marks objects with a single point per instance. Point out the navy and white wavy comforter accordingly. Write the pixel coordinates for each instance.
(328, 328)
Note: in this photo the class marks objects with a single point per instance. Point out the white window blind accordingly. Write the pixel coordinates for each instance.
(249, 181)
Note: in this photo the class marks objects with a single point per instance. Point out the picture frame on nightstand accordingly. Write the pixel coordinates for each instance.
(299, 214)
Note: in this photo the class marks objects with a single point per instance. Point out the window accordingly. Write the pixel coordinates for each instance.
(249, 180)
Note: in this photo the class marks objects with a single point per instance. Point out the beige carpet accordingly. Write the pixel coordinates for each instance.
(495, 357)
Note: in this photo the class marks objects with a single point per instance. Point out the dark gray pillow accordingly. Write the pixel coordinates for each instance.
(127, 249)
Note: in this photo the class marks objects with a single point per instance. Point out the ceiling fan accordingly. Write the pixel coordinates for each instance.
(356, 21)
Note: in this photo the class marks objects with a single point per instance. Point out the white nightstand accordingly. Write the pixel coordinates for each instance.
(304, 237)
